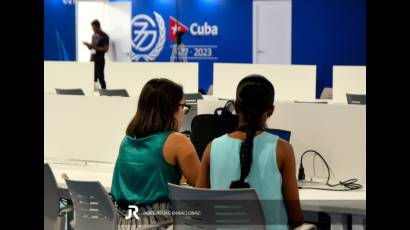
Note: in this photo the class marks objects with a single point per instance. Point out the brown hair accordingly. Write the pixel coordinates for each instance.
(157, 104)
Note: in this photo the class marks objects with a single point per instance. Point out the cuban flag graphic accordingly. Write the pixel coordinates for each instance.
(175, 26)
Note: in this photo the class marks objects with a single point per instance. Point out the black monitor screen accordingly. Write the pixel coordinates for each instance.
(358, 99)
(284, 134)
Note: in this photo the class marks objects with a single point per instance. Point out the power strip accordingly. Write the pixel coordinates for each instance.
(311, 180)
(316, 182)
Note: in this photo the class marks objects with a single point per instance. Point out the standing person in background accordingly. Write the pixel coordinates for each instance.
(179, 52)
(98, 47)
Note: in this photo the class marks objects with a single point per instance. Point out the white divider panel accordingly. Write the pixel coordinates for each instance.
(85, 127)
(337, 131)
(348, 79)
(67, 75)
(291, 82)
(209, 106)
(133, 76)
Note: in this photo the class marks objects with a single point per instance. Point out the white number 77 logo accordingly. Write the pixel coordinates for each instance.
(132, 213)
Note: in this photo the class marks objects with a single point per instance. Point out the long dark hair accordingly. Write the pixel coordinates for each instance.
(254, 96)
(157, 104)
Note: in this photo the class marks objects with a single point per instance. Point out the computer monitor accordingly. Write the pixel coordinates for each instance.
(70, 91)
(357, 99)
(312, 102)
(192, 96)
(284, 134)
(114, 92)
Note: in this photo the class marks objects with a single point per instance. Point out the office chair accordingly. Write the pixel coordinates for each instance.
(70, 92)
(206, 127)
(93, 208)
(218, 209)
(114, 92)
(53, 214)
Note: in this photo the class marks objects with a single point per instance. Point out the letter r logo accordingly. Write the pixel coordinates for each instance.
(132, 213)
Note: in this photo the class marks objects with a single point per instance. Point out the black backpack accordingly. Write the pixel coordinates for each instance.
(206, 127)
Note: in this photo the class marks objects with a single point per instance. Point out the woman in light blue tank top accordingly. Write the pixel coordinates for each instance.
(250, 157)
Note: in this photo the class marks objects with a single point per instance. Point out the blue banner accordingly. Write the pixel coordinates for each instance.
(211, 31)
(327, 33)
(59, 30)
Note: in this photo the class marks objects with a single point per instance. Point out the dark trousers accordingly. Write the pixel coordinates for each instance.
(99, 72)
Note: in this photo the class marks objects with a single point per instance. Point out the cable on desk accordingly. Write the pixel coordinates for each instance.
(348, 184)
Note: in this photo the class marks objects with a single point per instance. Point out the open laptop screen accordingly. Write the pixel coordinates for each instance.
(284, 134)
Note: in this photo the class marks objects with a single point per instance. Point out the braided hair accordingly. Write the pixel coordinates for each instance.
(254, 96)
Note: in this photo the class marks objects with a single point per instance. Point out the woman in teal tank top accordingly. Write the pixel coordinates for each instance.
(152, 155)
(250, 157)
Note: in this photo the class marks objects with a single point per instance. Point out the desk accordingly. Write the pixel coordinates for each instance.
(338, 205)
(325, 128)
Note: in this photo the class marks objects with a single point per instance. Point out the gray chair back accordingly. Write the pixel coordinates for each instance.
(93, 208)
(214, 209)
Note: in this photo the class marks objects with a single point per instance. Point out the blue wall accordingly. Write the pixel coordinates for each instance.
(324, 32)
(233, 42)
(59, 30)
(327, 33)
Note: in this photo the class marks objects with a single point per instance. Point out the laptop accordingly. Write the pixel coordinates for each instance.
(356, 99)
(284, 134)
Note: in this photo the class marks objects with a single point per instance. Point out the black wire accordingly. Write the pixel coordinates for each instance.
(324, 161)
(327, 189)
(348, 184)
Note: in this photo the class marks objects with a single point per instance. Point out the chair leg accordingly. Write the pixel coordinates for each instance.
(60, 223)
